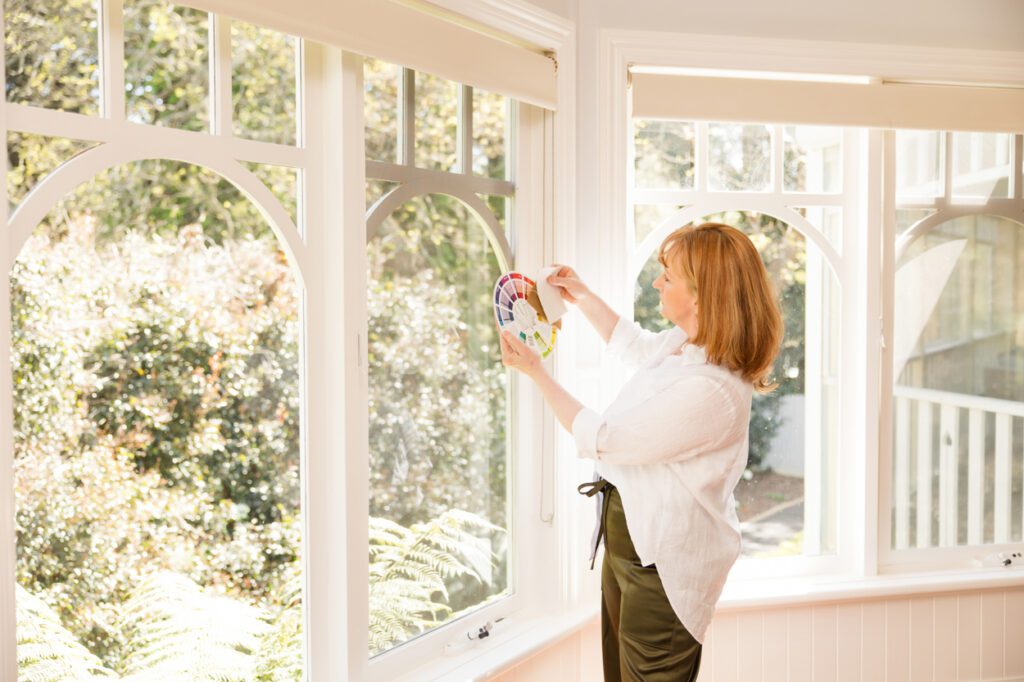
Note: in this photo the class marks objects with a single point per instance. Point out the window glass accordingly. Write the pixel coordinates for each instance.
(490, 140)
(648, 217)
(380, 109)
(155, 357)
(167, 74)
(739, 157)
(30, 158)
(437, 116)
(981, 165)
(438, 442)
(813, 160)
(786, 500)
(919, 163)
(283, 182)
(664, 154)
(958, 367)
(52, 54)
(263, 83)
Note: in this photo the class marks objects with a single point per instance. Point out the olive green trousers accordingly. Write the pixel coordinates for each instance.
(642, 639)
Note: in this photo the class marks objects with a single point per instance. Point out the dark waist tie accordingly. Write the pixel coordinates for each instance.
(591, 488)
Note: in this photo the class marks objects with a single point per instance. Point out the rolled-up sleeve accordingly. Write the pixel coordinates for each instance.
(633, 344)
(692, 415)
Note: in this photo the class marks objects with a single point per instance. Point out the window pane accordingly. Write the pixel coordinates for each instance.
(263, 83)
(30, 158)
(166, 71)
(380, 109)
(52, 54)
(828, 220)
(647, 218)
(375, 189)
(908, 217)
(283, 182)
(437, 114)
(500, 206)
(981, 165)
(959, 385)
(813, 159)
(802, 412)
(664, 154)
(739, 156)
(438, 405)
(157, 470)
(919, 155)
(490, 120)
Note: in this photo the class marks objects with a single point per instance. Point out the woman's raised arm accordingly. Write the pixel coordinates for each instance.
(598, 313)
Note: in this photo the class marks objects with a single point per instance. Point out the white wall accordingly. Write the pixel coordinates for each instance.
(969, 635)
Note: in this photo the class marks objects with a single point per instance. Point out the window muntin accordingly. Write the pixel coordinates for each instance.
(788, 497)
(439, 403)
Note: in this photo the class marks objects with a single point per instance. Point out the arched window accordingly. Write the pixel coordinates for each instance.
(781, 185)
(156, 285)
(438, 395)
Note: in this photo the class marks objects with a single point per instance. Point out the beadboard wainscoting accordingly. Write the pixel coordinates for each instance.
(948, 636)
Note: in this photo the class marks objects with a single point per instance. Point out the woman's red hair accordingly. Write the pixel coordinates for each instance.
(739, 323)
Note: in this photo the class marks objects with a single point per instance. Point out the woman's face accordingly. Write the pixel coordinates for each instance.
(678, 301)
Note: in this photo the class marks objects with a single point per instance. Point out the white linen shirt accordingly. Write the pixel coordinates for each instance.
(674, 443)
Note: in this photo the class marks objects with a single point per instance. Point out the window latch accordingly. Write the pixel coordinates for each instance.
(485, 631)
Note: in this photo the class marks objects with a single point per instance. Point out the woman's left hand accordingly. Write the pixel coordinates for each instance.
(517, 355)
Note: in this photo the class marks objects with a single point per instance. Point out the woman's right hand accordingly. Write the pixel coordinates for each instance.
(569, 283)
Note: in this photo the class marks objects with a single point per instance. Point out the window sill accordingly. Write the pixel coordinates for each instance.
(788, 591)
(525, 636)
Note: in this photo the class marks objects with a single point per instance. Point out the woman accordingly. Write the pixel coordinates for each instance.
(672, 446)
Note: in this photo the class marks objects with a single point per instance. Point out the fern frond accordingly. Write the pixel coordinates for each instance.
(47, 651)
(179, 632)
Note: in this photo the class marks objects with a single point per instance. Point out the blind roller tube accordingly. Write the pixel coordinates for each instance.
(876, 105)
(406, 36)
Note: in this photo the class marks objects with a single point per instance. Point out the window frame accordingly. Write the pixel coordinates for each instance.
(120, 142)
(864, 503)
(330, 150)
(945, 208)
(464, 185)
(781, 204)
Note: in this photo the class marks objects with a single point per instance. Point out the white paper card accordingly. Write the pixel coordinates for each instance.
(550, 296)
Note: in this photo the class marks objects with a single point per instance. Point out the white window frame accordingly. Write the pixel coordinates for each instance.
(893, 556)
(861, 560)
(781, 204)
(327, 248)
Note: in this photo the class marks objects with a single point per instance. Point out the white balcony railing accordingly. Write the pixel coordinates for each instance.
(938, 452)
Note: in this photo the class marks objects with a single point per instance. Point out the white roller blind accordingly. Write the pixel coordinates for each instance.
(876, 105)
(405, 35)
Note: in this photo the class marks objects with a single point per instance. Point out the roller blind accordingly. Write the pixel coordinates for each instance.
(876, 105)
(403, 33)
